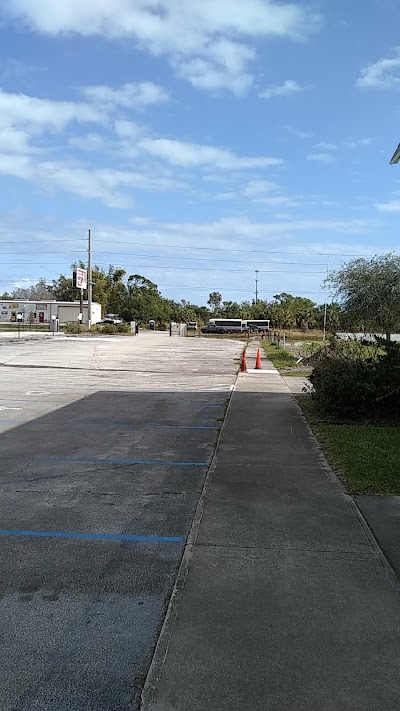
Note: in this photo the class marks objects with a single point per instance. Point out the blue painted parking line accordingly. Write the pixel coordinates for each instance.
(90, 460)
(92, 536)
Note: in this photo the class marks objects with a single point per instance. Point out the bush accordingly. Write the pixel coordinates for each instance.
(352, 387)
(111, 328)
(123, 328)
(108, 328)
(74, 327)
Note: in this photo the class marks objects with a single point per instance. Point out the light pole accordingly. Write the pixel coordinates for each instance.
(90, 285)
(19, 319)
(326, 301)
(53, 318)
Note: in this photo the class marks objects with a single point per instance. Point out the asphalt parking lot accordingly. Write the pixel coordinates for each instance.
(105, 445)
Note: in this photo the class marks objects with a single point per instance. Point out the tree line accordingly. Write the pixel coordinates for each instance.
(136, 298)
(367, 293)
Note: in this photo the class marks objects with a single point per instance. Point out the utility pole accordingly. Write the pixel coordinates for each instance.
(89, 279)
(81, 304)
(326, 303)
(257, 272)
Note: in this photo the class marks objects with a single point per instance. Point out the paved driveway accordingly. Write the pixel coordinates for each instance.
(104, 448)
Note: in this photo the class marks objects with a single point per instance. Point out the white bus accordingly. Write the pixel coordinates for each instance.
(224, 325)
(256, 325)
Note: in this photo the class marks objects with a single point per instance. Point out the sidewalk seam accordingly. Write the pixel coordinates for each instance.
(167, 629)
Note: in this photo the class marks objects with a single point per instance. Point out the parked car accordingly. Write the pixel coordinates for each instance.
(113, 321)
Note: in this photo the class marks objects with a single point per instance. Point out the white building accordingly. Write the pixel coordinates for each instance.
(42, 311)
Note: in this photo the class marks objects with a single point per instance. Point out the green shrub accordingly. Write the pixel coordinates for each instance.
(111, 328)
(74, 327)
(123, 328)
(353, 387)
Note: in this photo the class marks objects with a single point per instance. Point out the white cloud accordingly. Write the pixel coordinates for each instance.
(22, 111)
(358, 143)
(90, 142)
(206, 42)
(130, 95)
(322, 157)
(260, 192)
(298, 133)
(227, 195)
(127, 129)
(38, 115)
(278, 201)
(383, 74)
(189, 155)
(326, 146)
(106, 184)
(393, 206)
(213, 77)
(230, 232)
(288, 88)
(257, 188)
(27, 125)
(13, 140)
(305, 240)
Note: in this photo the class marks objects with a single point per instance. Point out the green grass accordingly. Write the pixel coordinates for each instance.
(24, 327)
(366, 457)
(297, 373)
(280, 358)
(296, 334)
(311, 347)
(305, 338)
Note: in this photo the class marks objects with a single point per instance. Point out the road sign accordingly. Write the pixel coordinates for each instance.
(80, 278)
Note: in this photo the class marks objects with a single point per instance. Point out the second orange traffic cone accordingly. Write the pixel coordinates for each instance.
(243, 364)
(258, 365)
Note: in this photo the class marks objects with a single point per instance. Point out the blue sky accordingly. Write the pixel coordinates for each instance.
(199, 140)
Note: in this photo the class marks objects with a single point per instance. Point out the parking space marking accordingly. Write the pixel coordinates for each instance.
(37, 392)
(18, 399)
(93, 460)
(92, 536)
(3, 407)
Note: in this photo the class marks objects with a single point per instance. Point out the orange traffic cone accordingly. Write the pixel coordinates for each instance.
(243, 363)
(258, 365)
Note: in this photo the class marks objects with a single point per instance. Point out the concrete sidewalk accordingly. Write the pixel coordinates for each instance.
(12, 336)
(284, 601)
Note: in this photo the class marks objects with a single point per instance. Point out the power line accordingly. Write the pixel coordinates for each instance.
(179, 246)
(163, 256)
(222, 288)
(214, 288)
(200, 269)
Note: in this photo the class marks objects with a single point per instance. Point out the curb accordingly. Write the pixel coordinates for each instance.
(167, 629)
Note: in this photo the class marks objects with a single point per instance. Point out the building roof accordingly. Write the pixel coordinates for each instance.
(48, 301)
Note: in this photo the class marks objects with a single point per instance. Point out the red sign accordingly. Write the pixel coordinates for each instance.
(81, 278)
